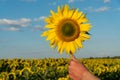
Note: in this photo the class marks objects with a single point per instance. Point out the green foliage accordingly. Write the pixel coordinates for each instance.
(55, 69)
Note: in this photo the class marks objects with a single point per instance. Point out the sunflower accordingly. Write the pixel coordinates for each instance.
(67, 29)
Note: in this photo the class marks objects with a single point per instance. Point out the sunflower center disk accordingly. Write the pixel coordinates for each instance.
(68, 30)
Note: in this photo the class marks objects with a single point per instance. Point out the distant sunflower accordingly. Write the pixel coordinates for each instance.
(67, 29)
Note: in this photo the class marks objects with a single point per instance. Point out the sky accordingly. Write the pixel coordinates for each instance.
(22, 22)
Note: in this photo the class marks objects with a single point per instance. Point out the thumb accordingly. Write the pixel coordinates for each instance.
(73, 58)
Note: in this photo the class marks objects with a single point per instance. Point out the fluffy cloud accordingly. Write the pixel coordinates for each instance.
(40, 18)
(18, 24)
(106, 1)
(29, 0)
(118, 9)
(53, 3)
(10, 29)
(102, 9)
(23, 22)
(38, 28)
(71, 1)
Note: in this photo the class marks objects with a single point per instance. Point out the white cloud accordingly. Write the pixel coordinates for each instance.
(53, 3)
(19, 24)
(118, 9)
(29, 0)
(10, 29)
(38, 28)
(23, 22)
(40, 18)
(106, 1)
(71, 1)
(90, 9)
(102, 9)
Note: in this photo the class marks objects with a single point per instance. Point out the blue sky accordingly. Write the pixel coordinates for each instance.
(22, 22)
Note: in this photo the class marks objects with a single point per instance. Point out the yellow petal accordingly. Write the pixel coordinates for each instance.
(72, 48)
(70, 13)
(59, 11)
(44, 33)
(65, 12)
(52, 12)
(76, 46)
(75, 14)
(79, 42)
(49, 20)
(50, 26)
(80, 13)
(51, 36)
(52, 43)
(59, 46)
(63, 47)
(67, 48)
(85, 36)
(82, 19)
(51, 31)
(85, 27)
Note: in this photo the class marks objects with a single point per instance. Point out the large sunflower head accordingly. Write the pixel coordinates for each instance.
(67, 29)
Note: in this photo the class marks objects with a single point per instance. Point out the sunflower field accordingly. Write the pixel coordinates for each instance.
(55, 68)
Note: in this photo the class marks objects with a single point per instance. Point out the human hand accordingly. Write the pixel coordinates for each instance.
(76, 69)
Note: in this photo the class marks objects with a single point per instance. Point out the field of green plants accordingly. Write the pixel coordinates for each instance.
(55, 68)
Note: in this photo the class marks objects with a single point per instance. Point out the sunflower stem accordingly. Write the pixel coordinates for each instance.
(71, 55)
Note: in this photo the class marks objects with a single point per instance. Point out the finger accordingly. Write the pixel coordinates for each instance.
(73, 77)
(71, 69)
(70, 61)
(73, 58)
